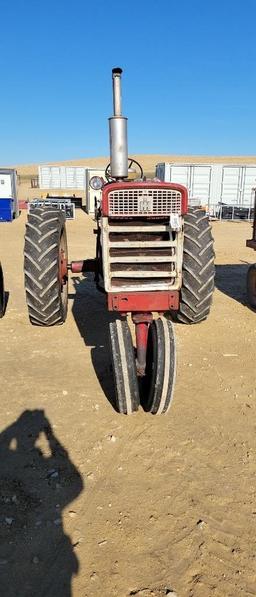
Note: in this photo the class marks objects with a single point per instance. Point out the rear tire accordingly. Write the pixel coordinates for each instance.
(2, 293)
(45, 266)
(251, 285)
(158, 384)
(124, 367)
(197, 268)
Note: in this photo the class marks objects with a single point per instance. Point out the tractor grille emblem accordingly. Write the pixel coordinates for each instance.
(146, 204)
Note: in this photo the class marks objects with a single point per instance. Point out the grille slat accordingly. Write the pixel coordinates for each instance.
(144, 202)
(137, 244)
(143, 274)
(143, 259)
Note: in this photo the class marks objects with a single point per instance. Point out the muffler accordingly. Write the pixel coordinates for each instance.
(118, 132)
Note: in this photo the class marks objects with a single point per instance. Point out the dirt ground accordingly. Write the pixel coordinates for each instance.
(96, 504)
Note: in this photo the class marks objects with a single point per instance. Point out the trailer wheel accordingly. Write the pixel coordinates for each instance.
(124, 367)
(45, 266)
(2, 293)
(158, 384)
(197, 268)
(251, 285)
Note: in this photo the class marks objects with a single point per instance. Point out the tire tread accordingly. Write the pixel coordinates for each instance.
(198, 268)
(124, 368)
(41, 266)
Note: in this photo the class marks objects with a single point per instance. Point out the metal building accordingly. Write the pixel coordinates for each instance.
(65, 178)
(214, 183)
(61, 177)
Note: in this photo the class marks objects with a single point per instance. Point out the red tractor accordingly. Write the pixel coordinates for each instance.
(154, 254)
(251, 274)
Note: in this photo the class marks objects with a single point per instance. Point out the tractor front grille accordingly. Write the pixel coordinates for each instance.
(144, 202)
(140, 254)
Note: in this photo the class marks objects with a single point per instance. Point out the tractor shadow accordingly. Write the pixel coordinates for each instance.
(6, 300)
(92, 319)
(4, 295)
(5, 303)
(38, 480)
(231, 280)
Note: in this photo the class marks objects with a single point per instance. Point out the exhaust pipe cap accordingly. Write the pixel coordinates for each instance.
(117, 70)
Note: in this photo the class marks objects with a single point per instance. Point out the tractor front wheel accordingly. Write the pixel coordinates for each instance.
(124, 367)
(251, 285)
(158, 383)
(45, 266)
(197, 268)
(2, 293)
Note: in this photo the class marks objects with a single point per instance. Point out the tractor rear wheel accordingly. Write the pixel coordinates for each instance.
(158, 384)
(197, 268)
(124, 367)
(45, 266)
(251, 285)
(2, 293)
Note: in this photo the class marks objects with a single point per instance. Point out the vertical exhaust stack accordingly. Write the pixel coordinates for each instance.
(118, 131)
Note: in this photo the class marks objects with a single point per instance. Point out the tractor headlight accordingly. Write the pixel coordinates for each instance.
(96, 183)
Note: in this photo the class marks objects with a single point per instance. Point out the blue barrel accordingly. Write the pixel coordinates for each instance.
(6, 210)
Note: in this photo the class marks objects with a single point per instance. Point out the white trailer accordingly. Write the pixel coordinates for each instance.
(61, 177)
(65, 178)
(214, 183)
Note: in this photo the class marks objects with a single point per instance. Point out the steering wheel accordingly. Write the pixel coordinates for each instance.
(130, 162)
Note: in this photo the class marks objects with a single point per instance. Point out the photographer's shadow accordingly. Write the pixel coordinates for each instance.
(230, 278)
(36, 556)
(92, 319)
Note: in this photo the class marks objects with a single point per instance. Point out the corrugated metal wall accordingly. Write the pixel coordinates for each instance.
(61, 177)
(213, 183)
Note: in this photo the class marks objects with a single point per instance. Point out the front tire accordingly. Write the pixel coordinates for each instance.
(45, 266)
(124, 367)
(197, 268)
(158, 384)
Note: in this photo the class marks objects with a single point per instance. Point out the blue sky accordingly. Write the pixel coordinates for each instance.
(189, 82)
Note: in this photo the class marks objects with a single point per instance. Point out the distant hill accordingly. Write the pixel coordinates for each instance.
(148, 161)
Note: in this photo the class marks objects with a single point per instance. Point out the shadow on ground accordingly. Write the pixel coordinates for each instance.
(92, 319)
(4, 296)
(231, 279)
(37, 558)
